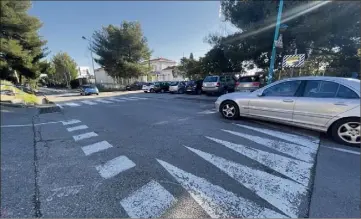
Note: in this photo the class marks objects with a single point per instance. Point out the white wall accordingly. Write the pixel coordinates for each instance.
(160, 65)
(167, 75)
(102, 77)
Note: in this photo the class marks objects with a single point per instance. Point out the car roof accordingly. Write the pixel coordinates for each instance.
(350, 82)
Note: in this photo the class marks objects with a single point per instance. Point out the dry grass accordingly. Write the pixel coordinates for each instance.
(19, 94)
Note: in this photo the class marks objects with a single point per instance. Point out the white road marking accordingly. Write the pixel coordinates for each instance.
(59, 105)
(103, 101)
(282, 193)
(297, 170)
(114, 167)
(89, 102)
(70, 122)
(161, 123)
(27, 125)
(150, 201)
(207, 112)
(116, 100)
(93, 148)
(286, 136)
(343, 150)
(64, 192)
(139, 98)
(72, 104)
(125, 98)
(84, 136)
(183, 119)
(293, 150)
(80, 127)
(215, 200)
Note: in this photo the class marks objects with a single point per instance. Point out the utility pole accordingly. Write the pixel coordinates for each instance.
(91, 55)
(277, 30)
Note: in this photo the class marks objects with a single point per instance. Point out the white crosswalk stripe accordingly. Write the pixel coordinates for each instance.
(215, 200)
(150, 201)
(115, 100)
(297, 170)
(311, 143)
(139, 98)
(70, 122)
(282, 193)
(88, 102)
(80, 127)
(84, 136)
(205, 112)
(72, 104)
(103, 101)
(126, 98)
(114, 167)
(93, 148)
(293, 150)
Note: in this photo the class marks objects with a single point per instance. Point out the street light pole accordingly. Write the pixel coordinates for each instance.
(91, 55)
(277, 30)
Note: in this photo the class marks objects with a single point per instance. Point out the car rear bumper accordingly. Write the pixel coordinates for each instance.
(173, 89)
(210, 89)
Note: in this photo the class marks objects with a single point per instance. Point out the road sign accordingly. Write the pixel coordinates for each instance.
(293, 60)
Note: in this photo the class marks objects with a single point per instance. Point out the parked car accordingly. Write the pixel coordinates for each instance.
(218, 84)
(161, 87)
(326, 104)
(194, 87)
(177, 87)
(148, 87)
(248, 83)
(135, 86)
(88, 90)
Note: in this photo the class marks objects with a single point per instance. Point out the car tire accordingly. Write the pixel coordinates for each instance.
(97, 93)
(152, 90)
(145, 91)
(344, 131)
(162, 90)
(232, 112)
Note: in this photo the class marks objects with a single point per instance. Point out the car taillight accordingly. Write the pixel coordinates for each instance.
(256, 84)
(218, 84)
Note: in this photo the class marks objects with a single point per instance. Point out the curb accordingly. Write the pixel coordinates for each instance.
(16, 105)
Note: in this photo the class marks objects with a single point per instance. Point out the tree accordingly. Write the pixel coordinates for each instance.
(121, 50)
(21, 48)
(63, 68)
(326, 31)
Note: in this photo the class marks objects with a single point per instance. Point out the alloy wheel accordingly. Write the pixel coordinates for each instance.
(350, 132)
(228, 110)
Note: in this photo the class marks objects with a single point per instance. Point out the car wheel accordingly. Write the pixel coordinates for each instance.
(145, 91)
(152, 90)
(181, 91)
(347, 131)
(162, 91)
(229, 110)
(97, 93)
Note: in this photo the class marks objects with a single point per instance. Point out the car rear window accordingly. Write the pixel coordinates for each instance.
(249, 79)
(211, 79)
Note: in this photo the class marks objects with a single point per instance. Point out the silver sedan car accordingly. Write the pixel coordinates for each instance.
(326, 104)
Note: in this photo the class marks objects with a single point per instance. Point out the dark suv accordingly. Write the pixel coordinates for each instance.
(161, 87)
(194, 87)
(135, 86)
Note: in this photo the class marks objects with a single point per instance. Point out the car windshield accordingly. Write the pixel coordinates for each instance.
(174, 83)
(211, 79)
(249, 79)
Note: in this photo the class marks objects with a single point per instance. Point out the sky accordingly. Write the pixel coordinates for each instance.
(172, 28)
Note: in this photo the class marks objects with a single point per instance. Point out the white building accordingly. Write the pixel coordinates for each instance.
(162, 70)
(83, 72)
(102, 77)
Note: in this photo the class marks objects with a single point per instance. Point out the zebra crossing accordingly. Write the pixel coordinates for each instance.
(290, 157)
(92, 102)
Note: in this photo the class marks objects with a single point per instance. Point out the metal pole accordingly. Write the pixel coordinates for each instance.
(91, 54)
(277, 30)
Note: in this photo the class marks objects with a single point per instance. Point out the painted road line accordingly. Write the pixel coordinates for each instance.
(93, 148)
(116, 100)
(215, 200)
(150, 201)
(72, 104)
(161, 123)
(59, 105)
(80, 127)
(103, 101)
(343, 150)
(89, 102)
(139, 98)
(293, 150)
(297, 170)
(70, 122)
(114, 167)
(84, 136)
(125, 98)
(282, 193)
(286, 136)
(207, 112)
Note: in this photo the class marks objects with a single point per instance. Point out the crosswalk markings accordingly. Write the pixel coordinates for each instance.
(126, 98)
(84, 136)
(71, 104)
(297, 170)
(139, 98)
(293, 150)
(114, 167)
(313, 144)
(282, 193)
(89, 102)
(116, 100)
(215, 200)
(70, 122)
(96, 147)
(207, 112)
(103, 101)
(80, 127)
(150, 201)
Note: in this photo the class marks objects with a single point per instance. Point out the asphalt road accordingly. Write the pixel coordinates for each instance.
(152, 155)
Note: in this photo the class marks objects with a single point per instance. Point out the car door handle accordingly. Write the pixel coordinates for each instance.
(340, 104)
(288, 101)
